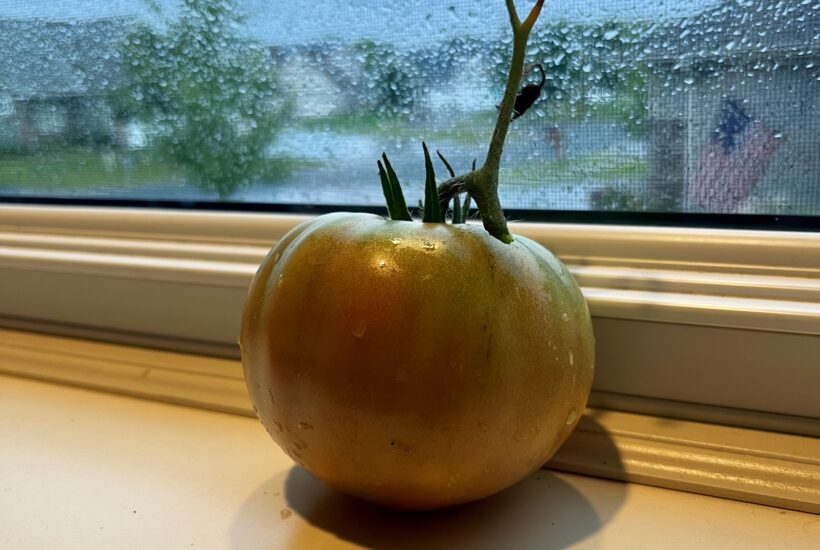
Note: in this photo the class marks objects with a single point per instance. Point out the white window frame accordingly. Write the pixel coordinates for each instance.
(720, 318)
(699, 325)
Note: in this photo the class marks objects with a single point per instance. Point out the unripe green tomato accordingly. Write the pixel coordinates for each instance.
(415, 365)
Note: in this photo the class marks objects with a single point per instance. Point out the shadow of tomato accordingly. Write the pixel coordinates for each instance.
(545, 511)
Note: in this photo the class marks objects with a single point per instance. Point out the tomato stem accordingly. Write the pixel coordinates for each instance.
(482, 184)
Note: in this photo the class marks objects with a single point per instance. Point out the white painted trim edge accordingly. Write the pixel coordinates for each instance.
(721, 318)
(637, 278)
(754, 466)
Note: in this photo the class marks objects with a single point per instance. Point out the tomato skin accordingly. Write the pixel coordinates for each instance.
(415, 365)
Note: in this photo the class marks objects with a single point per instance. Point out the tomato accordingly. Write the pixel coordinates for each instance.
(417, 365)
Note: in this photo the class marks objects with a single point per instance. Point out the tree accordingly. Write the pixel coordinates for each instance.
(211, 94)
(387, 78)
(583, 58)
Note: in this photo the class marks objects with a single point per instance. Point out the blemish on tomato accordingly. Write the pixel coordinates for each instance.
(359, 328)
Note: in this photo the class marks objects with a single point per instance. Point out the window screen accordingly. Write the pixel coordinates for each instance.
(705, 106)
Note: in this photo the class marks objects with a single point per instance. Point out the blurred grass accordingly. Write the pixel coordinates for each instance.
(475, 128)
(597, 166)
(78, 169)
(469, 129)
(83, 169)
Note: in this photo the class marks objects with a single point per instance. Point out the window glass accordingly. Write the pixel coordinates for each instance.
(704, 106)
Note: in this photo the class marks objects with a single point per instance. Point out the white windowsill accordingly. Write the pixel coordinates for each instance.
(757, 466)
(93, 470)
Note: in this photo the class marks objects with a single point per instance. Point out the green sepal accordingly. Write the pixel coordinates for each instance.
(397, 206)
(432, 210)
(388, 192)
(446, 164)
(465, 213)
(457, 212)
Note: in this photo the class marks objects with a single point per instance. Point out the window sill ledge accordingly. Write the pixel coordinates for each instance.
(762, 467)
(102, 471)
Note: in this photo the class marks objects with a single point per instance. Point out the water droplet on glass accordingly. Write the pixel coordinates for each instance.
(304, 426)
(427, 245)
(565, 316)
(284, 513)
(395, 241)
(571, 358)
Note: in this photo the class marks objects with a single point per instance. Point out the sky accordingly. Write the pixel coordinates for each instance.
(408, 22)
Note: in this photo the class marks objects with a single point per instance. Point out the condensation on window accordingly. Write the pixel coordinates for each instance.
(705, 106)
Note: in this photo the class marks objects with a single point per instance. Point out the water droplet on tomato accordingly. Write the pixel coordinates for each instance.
(279, 282)
(359, 328)
(571, 358)
(427, 245)
(573, 414)
(565, 316)
(304, 426)
(395, 241)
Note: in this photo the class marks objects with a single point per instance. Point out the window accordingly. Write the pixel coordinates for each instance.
(705, 107)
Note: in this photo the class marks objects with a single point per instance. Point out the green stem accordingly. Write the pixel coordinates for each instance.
(482, 184)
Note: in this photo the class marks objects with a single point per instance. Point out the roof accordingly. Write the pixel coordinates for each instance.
(41, 59)
(774, 29)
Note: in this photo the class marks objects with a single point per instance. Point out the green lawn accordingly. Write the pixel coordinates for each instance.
(600, 167)
(78, 169)
(82, 169)
(470, 129)
(476, 128)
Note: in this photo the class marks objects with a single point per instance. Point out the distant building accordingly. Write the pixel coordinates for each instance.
(54, 77)
(315, 77)
(763, 56)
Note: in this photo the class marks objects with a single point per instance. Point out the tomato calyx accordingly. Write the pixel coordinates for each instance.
(480, 185)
